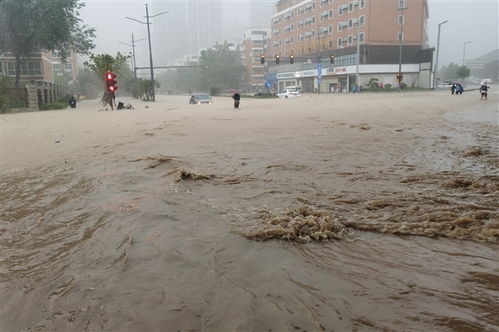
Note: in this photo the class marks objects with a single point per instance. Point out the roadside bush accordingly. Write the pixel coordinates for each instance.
(4, 96)
(403, 85)
(141, 88)
(388, 86)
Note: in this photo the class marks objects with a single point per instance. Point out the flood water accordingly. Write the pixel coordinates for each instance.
(181, 229)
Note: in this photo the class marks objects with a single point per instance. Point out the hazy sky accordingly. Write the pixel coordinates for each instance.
(469, 20)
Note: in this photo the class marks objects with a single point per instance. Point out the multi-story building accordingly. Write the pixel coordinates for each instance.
(254, 44)
(39, 66)
(313, 31)
(68, 67)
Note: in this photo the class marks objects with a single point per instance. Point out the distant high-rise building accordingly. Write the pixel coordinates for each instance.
(260, 13)
(188, 27)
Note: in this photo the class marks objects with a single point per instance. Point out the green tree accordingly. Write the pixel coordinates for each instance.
(449, 72)
(29, 26)
(463, 72)
(63, 78)
(100, 64)
(221, 68)
(142, 88)
(88, 84)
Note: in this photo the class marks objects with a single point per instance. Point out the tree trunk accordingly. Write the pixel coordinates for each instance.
(18, 71)
(107, 99)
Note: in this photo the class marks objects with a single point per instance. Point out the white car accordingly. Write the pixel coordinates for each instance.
(288, 93)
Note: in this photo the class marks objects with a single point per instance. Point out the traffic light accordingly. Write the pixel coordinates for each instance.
(111, 82)
(331, 59)
(400, 76)
(291, 59)
(277, 59)
(262, 59)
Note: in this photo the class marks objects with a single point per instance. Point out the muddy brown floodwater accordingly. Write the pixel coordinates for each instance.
(375, 212)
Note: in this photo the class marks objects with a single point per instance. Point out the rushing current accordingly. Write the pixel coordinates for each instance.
(303, 215)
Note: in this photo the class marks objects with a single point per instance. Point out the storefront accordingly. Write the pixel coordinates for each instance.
(343, 79)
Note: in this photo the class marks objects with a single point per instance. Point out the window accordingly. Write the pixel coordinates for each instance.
(350, 40)
(11, 69)
(362, 4)
(401, 19)
(361, 37)
(330, 44)
(350, 7)
(340, 26)
(401, 3)
(330, 29)
(400, 36)
(350, 23)
(340, 11)
(340, 42)
(362, 20)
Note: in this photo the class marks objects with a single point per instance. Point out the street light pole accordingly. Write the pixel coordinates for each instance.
(435, 78)
(464, 50)
(319, 66)
(151, 66)
(150, 55)
(357, 76)
(133, 53)
(402, 8)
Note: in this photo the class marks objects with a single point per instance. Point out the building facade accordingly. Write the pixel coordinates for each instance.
(40, 66)
(356, 33)
(254, 44)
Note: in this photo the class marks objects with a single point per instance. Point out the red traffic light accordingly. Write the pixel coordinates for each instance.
(111, 81)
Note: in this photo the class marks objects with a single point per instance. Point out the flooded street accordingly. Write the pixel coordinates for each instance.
(200, 218)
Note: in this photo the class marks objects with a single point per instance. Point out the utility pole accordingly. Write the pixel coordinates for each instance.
(464, 50)
(133, 53)
(435, 78)
(402, 22)
(357, 76)
(150, 48)
(319, 65)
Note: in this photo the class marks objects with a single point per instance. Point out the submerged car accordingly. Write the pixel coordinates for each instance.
(200, 98)
(288, 93)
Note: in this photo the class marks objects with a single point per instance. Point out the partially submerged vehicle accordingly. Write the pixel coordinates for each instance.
(200, 98)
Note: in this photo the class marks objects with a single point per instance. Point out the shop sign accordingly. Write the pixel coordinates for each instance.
(285, 75)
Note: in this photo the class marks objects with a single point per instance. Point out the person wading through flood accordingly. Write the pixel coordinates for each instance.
(483, 91)
(237, 98)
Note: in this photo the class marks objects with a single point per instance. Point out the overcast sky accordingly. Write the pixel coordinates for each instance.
(469, 20)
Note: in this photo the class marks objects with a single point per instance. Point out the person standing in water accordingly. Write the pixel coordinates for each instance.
(237, 98)
(483, 91)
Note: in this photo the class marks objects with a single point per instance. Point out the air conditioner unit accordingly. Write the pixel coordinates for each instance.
(355, 3)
